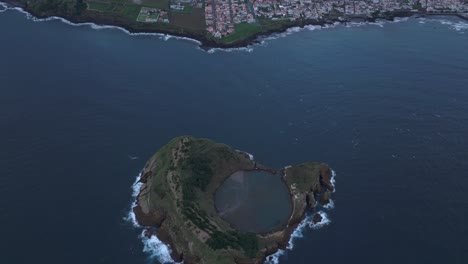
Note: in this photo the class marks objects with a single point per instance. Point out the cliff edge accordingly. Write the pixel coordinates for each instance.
(176, 202)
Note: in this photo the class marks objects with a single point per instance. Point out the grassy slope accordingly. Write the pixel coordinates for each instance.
(223, 161)
(303, 176)
(242, 31)
(186, 176)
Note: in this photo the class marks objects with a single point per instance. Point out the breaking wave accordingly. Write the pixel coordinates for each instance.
(306, 223)
(154, 247)
(400, 19)
(325, 221)
(330, 205)
(292, 30)
(333, 180)
(289, 31)
(162, 36)
(213, 50)
(131, 218)
(299, 233)
(455, 25)
(3, 7)
(251, 157)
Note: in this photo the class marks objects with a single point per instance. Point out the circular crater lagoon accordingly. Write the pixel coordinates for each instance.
(255, 201)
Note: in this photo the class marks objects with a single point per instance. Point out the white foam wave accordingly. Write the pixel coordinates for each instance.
(131, 217)
(356, 24)
(299, 233)
(330, 205)
(251, 157)
(136, 186)
(312, 27)
(459, 26)
(3, 7)
(400, 19)
(307, 222)
(293, 30)
(156, 249)
(100, 27)
(244, 49)
(455, 25)
(274, 258)
(325, 221)
(378, 23)
(333, 180)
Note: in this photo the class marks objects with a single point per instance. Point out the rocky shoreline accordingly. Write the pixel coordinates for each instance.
(300, 208)
(154, 220)
(207, 43)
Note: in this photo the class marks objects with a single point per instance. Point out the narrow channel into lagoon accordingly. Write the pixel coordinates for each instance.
(254, 201)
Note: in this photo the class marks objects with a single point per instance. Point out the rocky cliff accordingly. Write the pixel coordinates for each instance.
(176, 202)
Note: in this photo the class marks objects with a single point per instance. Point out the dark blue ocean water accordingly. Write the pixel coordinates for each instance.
(386, 107)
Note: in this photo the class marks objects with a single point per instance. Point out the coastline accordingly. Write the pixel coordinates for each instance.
(159, 220)
(207, 44)
(277, 240)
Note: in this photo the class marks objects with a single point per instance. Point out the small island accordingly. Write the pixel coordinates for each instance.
(176, 201)
(232, 23)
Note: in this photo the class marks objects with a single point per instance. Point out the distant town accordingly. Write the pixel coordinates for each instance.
(227, 23)
(223, 15)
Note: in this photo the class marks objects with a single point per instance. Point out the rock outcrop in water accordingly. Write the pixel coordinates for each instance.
(176, 202)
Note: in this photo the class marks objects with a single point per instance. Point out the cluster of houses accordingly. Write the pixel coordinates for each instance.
(222, 15)
(368, 7)
(316, 9)
(180, 5)
(447, 5)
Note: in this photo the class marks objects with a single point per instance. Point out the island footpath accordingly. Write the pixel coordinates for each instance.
(176, 202)
(232, 23)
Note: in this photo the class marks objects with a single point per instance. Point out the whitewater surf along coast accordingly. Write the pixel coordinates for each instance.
(176, 202)
(228, 24)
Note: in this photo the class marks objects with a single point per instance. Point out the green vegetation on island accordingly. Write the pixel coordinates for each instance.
(242, 31)
(177, 197)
